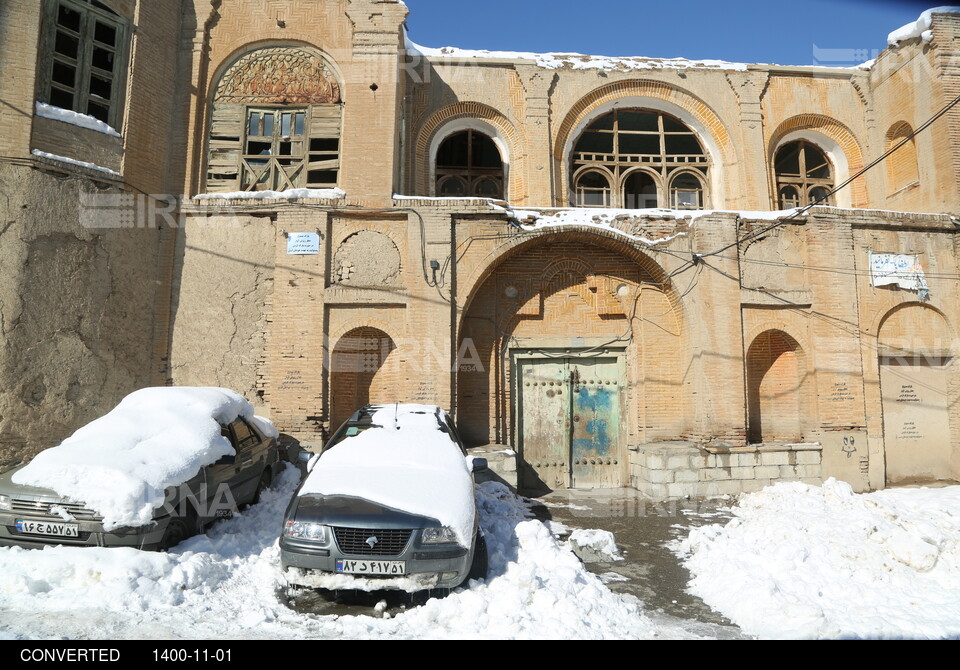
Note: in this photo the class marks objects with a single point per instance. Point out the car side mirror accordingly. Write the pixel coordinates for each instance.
(479, 464)
(304, 457)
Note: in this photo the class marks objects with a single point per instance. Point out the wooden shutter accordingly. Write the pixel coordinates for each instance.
(226, 147)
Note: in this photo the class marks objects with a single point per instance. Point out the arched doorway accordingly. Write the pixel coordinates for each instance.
(775, 376)
(362, 371)
(916, 361)
(579, 346)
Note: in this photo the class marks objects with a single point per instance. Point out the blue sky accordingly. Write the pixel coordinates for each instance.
(803, 32)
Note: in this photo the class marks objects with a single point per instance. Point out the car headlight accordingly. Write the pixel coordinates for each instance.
(444, 535)
(5, 502)
(306, 531)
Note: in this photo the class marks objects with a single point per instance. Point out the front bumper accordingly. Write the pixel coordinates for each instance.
(449, 564)
(91, 534)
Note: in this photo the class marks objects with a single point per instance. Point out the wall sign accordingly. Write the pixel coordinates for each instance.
(303, 244)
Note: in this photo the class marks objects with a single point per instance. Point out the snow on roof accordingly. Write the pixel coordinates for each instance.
(73, 161)
(919, 28)
(404, 462)
(573, 61)
(120, 464)
(605, 218)
(289, 194)
(74, 119)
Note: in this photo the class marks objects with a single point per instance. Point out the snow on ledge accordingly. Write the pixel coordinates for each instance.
(74, 119)
(919, 28)
(73, 161)
(289, 194)
(575, 61)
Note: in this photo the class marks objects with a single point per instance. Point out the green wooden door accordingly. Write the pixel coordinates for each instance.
(569, 412)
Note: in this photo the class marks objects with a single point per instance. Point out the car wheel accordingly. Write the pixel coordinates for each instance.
(478, 568)
(265, 480)
(179, 528)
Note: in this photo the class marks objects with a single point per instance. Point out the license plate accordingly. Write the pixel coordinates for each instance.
(371, 567)
(50, 529)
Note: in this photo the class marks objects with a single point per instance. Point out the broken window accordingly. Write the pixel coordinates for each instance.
(468, 164)
(641, 151)
(275, 123)
(83, 58)
(804, 175)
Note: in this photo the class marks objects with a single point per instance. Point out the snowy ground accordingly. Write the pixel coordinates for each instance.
(801, 561)
(228, 584)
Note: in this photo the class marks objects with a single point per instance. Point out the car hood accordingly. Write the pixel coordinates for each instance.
(9, 488)
(338, 510)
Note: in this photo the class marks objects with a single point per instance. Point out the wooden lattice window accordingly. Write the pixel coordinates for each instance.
(641, 149)
(469, 164)
(83, 58)
(804, 175)
(275, 123)
(593, 189)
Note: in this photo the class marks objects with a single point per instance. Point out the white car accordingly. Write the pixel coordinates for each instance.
(150, 473)
(390, 499)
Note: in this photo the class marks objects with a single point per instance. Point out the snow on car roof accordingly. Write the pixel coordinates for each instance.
(406, 462)
(120, 464)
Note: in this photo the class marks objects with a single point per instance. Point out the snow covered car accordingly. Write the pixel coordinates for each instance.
(153, 471)
(391, 499)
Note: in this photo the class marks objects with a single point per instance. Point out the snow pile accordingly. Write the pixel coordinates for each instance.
(801, 561)
(74, 119)
(120, 464)
(573, 61)
(74, 161)
(599, 542)
(407, 463)
(228, 584)
(919, 28)
(289, 194)
(265, 426)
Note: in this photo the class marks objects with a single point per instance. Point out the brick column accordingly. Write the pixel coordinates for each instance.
(538, 177)
(715, 376)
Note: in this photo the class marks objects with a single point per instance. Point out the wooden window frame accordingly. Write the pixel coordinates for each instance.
(470, 174)
(278, 176)
(802, 182)
(83, 66)
(621, 165)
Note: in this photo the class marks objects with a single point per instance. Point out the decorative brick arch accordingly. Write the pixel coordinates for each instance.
(837, 132)
(469, 110)
(640, 88)
(485, 267)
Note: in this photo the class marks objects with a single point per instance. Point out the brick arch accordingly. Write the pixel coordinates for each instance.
(777, 386)
(924, 325)
(902, 167)
(645, 89)
(469, 110)
(487, 266)
(363, 370)
(837, 132)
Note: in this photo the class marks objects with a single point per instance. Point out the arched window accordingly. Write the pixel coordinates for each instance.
(666, 149)
(901, 164)
(593, 189)
(469, 164)
(275, 123)
(686, 191)
(804, 175)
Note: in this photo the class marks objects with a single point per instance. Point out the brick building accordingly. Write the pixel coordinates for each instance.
(642, 313)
